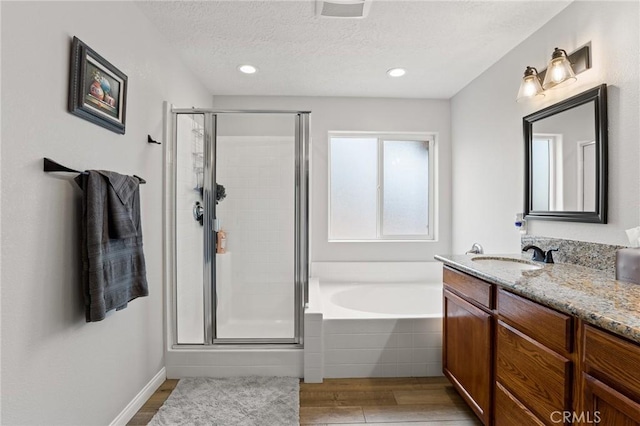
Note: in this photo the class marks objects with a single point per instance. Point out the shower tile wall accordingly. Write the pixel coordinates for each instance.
(189, 234)
(258, 218)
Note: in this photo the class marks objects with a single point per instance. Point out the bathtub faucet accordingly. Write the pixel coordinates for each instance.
(476, 248)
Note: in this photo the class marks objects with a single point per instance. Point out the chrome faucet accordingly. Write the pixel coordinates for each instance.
(540, 255)
(476, 248)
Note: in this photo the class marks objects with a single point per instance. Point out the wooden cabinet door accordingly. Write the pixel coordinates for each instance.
(606, 406)
(467, 344)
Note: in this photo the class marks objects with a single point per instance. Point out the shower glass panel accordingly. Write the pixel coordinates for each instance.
(189, 237)
(255, 277)
(239, 192)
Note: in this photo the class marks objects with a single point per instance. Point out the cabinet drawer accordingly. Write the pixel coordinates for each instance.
(532, 372)
(545, 325)
(470, 287)
(509, 411)
(613, 360)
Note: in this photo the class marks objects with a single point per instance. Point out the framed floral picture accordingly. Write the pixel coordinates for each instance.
(97, 89)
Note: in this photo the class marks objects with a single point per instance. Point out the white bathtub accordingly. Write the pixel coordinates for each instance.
(374, 329)
(381, 300)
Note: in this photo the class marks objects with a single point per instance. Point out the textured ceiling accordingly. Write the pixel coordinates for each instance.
(443, 44)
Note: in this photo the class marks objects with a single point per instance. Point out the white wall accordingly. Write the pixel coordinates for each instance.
(488, 156)
(56, 368)
(364, 114)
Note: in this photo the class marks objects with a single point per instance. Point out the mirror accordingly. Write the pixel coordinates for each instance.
(566, 159)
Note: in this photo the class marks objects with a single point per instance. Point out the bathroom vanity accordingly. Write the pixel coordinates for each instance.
(541, 344)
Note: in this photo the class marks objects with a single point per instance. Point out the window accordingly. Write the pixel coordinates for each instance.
(381, 187)
(547, 173)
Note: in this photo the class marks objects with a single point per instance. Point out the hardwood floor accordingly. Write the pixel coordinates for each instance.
(407, 401)
(153, 404)
(410, 401)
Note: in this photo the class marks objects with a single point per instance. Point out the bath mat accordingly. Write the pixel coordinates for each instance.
(232, 401)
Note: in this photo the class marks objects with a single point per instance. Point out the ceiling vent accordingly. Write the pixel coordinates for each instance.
(343, 8)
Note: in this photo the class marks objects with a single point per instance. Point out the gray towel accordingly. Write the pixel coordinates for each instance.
(120, 205)
(113, 267)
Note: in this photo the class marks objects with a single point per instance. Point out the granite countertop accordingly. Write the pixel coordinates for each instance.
(589, 294)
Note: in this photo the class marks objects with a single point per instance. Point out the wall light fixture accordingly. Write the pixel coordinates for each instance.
(561, 71)
(530, 86)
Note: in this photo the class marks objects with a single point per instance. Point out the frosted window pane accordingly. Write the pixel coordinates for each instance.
(354, 192)
(406, 188)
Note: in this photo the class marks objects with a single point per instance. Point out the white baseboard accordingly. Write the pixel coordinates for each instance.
(136, 403)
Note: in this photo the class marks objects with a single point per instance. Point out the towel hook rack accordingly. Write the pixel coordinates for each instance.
(54, 166)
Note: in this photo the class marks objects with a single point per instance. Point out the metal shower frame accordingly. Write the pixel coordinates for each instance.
(301, 224)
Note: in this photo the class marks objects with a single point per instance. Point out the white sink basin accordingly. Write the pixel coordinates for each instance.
(507, 263)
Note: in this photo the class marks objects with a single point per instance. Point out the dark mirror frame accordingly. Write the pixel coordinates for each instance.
(598, 95)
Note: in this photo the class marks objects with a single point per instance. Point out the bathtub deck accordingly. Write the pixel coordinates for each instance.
(427, 401)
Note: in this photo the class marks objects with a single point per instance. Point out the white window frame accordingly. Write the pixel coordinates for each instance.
(431, 139)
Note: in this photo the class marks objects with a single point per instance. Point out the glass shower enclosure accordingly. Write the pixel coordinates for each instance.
(239, 202)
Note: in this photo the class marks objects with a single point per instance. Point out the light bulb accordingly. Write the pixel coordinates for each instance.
(557, 73)
(529, 88)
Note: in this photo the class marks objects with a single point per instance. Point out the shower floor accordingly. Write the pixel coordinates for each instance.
(248, 329)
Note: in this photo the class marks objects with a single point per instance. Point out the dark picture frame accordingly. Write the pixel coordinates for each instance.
(97, 89)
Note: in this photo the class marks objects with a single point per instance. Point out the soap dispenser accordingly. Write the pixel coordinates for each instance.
(521, 223)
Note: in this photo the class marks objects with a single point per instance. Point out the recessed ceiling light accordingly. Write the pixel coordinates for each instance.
(247, 69)
(396, 72)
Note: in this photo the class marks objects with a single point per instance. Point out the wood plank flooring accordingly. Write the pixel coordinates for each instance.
(153, 404)
(410, 401)
(407, 401)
